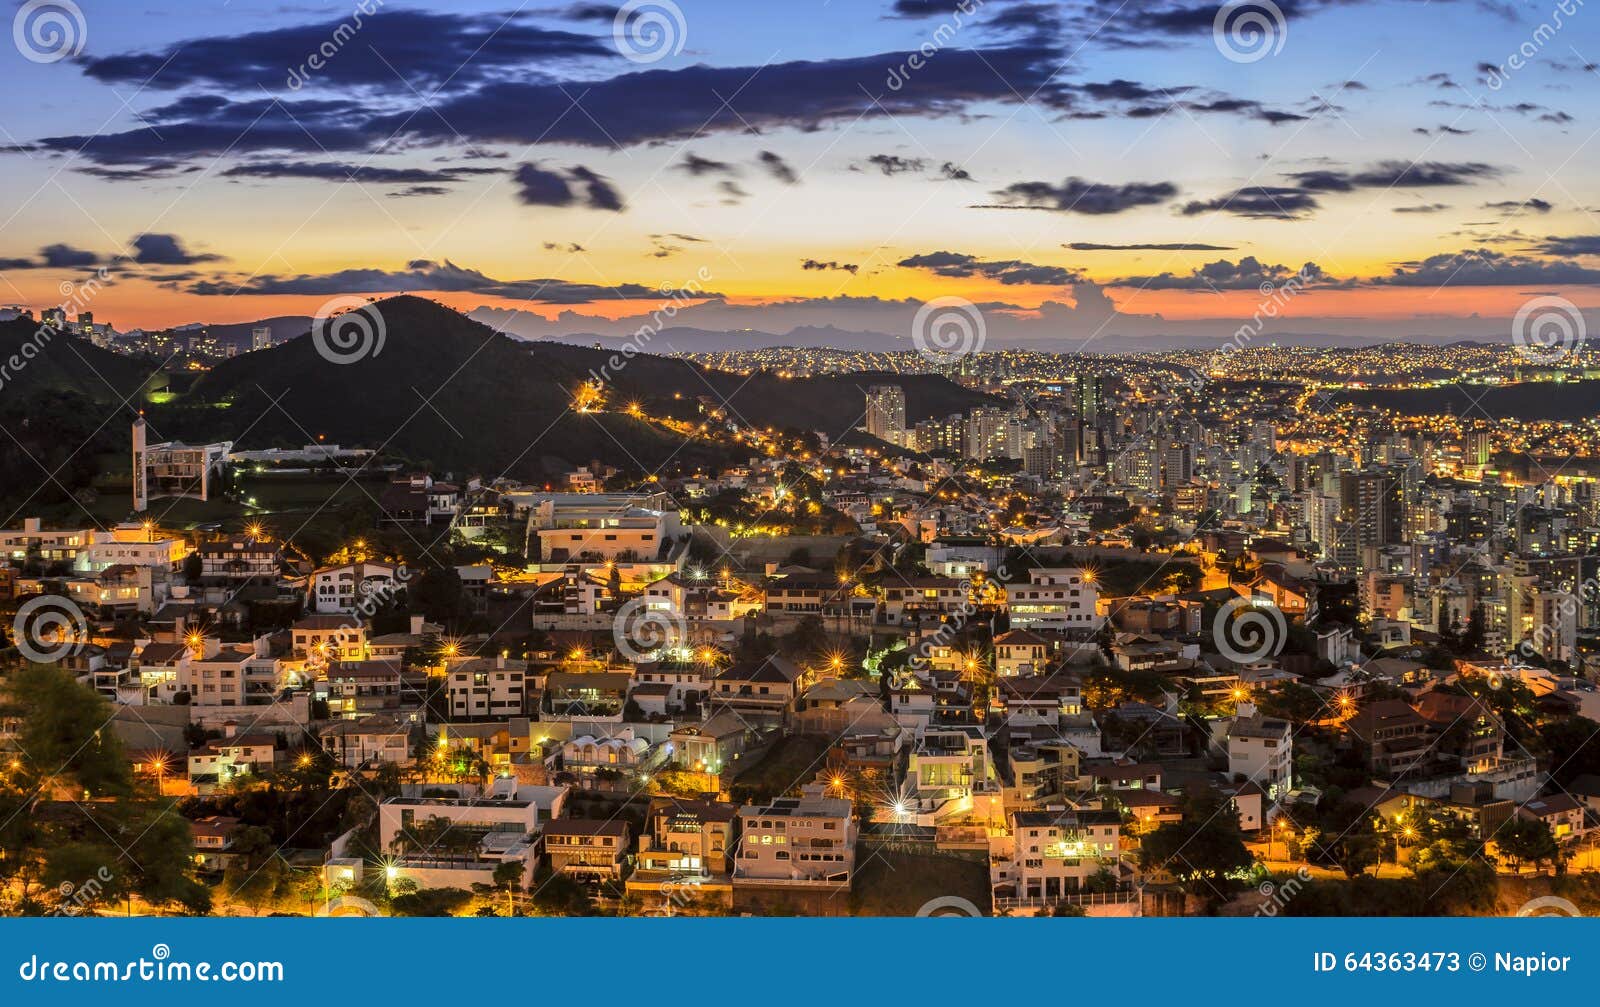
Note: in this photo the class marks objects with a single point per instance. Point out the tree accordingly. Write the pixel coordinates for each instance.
(437, 594)
(63, 735)
(509, 876)
(257, 874)
(1205, 846)
(1346, 838)
(1526, 840)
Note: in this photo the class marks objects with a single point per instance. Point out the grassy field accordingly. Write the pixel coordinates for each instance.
(899, 883)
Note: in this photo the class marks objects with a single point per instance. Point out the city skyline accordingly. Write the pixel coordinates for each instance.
(1088, 174)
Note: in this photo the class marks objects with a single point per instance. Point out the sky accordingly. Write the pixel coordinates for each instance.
(1088, 169)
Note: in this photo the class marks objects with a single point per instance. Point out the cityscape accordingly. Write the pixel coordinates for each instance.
(759, 555)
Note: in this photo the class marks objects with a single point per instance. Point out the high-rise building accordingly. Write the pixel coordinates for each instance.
(1090, 398)
(993, 432)
(946, 436)
(886, 413)
(260, 338)
(1379, 506)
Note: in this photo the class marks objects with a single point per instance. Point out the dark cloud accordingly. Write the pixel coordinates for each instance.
(425, 275)
(57, 256)
(1534, 204)
(696, 165)
(391, 49)
(418, 190)
(1484, 267)
(778, 167)
(1423, 208)
(537, 186)
(165, 250)
(658, 104)
(955, 172)
(1578, 244)
(1261, 202)
(666, 245)
(1395, 175)
(1077, 195)
(210, 127)
(60, 256)
(1180, 246)
(601, 195)
(732, 192)
(894, 164)
(1010, 271)
(1248, 273)
(843, 267)
(338, 172)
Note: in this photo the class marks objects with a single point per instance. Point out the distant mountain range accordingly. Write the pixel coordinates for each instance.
(242, 334)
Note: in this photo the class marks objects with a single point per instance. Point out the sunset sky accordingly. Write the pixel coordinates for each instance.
(552, 159)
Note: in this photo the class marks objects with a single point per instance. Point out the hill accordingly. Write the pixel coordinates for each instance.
(454, 394)
(65, 405)
(34, 360)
